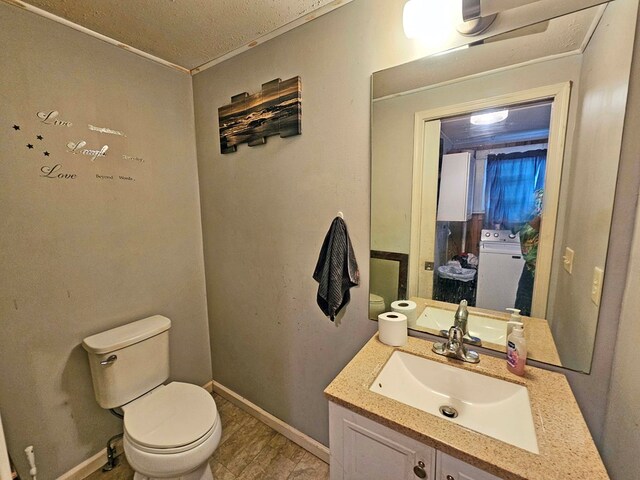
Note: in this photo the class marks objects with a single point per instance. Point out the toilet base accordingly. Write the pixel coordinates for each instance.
(201, 473)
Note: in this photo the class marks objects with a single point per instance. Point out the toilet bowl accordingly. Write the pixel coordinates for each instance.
(171, 432)
(376, 306)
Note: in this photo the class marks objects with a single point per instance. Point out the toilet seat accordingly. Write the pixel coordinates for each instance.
(171, 419)
(166, 451)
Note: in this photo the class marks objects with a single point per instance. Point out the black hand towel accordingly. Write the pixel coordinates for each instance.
(336, 270)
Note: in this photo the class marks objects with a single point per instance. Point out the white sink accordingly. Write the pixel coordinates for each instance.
(484, 404)
(488, 329)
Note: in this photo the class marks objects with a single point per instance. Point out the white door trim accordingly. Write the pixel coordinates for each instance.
(560, 94)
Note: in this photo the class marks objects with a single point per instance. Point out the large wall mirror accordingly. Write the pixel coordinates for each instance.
(493, 178)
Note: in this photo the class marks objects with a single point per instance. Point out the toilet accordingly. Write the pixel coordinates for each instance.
(170, 431)
(376, 306)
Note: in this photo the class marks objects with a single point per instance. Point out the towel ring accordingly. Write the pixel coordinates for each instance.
(341, 215)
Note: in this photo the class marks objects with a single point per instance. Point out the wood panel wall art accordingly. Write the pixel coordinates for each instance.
(276, 109)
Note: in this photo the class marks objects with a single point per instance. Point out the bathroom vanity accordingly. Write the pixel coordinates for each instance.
(376, 432)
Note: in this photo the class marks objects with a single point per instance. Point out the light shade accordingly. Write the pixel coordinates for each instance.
(432, 21)
(489, 118)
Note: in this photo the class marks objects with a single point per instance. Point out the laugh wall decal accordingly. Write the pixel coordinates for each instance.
(76, 147)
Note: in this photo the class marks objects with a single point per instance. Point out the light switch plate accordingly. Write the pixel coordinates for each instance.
(567, 260)
(596, 286)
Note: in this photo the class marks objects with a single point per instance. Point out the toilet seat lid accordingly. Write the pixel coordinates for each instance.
(373, 298)
(170, 416)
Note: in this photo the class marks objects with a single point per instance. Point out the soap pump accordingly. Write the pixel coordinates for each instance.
(516, 319)
(516, 350)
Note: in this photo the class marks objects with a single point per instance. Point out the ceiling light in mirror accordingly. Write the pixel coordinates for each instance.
(489, 118)
(432, 22)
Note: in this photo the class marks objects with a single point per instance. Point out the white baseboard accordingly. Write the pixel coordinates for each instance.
(208, 386)
(90, 465)
(309, 444)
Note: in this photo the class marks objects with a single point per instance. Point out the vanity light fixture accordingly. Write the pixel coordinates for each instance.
(474, 23)
(489, 118)
(434, 20)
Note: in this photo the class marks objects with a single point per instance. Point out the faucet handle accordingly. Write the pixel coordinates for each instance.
(455, 338)
(455, 334)
(461, 317)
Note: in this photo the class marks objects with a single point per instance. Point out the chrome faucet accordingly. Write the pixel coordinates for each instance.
(460, 320)
(454, 347)
(458, 334)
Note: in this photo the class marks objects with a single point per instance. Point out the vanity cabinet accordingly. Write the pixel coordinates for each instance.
(450, 468)
(362, 449)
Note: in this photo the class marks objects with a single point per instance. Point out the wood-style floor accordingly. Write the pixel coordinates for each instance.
(248, 450)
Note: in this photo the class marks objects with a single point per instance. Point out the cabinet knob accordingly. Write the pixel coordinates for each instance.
(419, 470)
(450, 477)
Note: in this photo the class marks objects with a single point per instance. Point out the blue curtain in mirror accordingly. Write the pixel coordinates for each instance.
(511, 182)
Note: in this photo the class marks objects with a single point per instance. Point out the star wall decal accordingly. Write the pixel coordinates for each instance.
(31, 144)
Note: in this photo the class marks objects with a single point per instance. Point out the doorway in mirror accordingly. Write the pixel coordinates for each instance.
(491, 174)
(480, 169)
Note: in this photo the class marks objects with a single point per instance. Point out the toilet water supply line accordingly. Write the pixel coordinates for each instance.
(112, 453)
(31, 458)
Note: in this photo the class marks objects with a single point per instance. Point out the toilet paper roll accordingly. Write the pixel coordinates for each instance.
(407, 308)
(392, 328)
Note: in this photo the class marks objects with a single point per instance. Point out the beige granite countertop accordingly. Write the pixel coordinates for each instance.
(565, 444)
(540, 344)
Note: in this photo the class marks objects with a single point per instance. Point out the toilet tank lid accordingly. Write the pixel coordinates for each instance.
(126, 335)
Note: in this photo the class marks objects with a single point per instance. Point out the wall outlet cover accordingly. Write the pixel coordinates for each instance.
(596, 286)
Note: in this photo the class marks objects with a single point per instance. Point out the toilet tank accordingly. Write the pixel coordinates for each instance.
(129, 361)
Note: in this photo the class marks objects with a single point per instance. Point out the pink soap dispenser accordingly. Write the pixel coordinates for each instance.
(516, 350)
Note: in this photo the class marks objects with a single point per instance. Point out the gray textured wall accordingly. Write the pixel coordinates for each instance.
(265, 212)
(79, 256)
(621, 440)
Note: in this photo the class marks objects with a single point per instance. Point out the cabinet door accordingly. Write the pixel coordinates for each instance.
(456, 188)
(365, 450)
(450, 468)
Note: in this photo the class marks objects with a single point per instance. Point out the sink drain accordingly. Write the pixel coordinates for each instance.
(448, 411)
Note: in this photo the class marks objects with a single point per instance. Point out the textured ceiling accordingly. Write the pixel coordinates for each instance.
(525, 122)
(188, 33)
